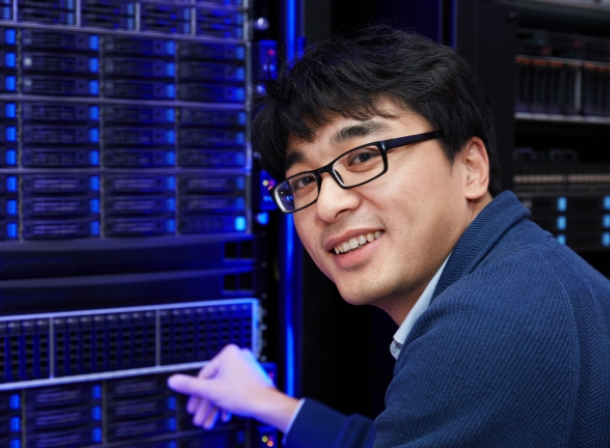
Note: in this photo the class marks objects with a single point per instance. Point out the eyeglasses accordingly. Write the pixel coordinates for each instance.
(351, 169)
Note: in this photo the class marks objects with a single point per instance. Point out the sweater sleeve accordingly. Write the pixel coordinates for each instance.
(318, 426)
(482, 369)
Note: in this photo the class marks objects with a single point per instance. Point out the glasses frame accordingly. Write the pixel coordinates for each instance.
(383, 145)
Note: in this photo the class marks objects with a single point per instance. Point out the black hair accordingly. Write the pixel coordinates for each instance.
(347, 76)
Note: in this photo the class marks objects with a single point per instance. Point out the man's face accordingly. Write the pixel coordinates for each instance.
(405, 223)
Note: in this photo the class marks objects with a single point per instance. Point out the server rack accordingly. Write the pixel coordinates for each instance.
(130, 216)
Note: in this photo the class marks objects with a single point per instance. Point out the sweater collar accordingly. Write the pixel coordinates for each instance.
(480, 236)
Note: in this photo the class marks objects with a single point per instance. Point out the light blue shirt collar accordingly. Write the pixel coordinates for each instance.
(418, 309)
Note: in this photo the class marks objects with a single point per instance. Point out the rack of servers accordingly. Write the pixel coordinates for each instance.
(129, 222)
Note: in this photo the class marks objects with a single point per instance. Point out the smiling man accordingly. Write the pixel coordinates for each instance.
(384, 151)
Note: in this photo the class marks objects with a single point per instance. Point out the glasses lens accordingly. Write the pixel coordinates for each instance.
(297, 191)
(359, 165)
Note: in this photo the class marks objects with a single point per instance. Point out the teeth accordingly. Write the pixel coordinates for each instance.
(355, 243)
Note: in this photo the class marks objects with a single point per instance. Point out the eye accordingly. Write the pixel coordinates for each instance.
(362, 157)
(302, 182)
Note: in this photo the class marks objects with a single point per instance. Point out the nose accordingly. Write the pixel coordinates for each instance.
(333, 200)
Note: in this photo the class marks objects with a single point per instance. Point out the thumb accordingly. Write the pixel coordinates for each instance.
(188, 385)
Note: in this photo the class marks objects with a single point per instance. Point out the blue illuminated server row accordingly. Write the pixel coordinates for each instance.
(130, 217)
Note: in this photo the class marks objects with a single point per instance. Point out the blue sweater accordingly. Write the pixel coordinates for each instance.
(514, 351)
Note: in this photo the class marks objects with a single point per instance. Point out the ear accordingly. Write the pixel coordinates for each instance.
(475, 163)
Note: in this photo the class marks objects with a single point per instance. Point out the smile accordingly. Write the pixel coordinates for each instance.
(356, 243)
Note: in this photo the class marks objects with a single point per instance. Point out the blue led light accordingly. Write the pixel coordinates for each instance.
(70, 4)
(240, 183)
(170, 115)
(260, 90)
(93, 65)
(96, 413)
(240, 74)
(11, 230)
(9, 36)
(240, 159)
(94, 183)
(240, 203)
(94, 158)
(171, 404)
(170, 47)
(172, 445)
(94, 42)
(240, 223)
(562, 204)
(94, 135)
(11, 183)
(11, 157)
(170, 183)
(170, 204)
(239, 94)
(130, 24)
(15, 443)
(130, 8)
(11, 207)
(170, 136)
(241, 118)
(171, 424)
(170, 158)
(15, 424)
(96, 435)
(606, 202)
(240, 53)
(94, 205)
(94, 113)
(71, 18)
(561, 223)
(170, 226)
(94, 228)
(94, 88)
(606, 221)
(263, 218)
(170, 69)
(11, 133)
(6, 13)
(96, 391)
(15, 401)
(10, 110)
(10, 59)
(240, 138)
(10, 83)
(170, 90)
(561, 239)
(606, 239)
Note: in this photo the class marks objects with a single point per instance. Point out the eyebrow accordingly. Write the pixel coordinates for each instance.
(362, 129)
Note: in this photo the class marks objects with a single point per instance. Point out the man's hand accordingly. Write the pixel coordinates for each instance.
(234, 382)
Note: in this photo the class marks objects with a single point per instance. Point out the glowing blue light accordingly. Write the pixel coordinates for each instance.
(9, 36)
(170, 137)
(170, 115)
(170, 204)
(15, 401)
(562, 204)
(94, 88)
(11, 157)
(10, 83)
(94, 158)
(170, 183)
(15, 424)
(241, 118)
(171, 404)
(606, 202)
(170, 90)
(263, 218)
(96, 391)
(11, 230)
(96, 413)
(561, 239)
(170, 158)
(170, 69)
(96, 435)
(240, 223)
(11, 207)
(94, 183)
(11, 133)
(170, 47)
(606, 221)
(94, 205)
(10, 59)
(170, 226)
(94, 42)
(561, 223)
(93, 65)
(10, 110)
(606, 239)
(94, 228)
(11, 183)
(94, 113)
(94, 135)
(15, 443)
(171, 424)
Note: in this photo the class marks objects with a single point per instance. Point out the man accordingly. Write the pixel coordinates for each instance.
(504, 333)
